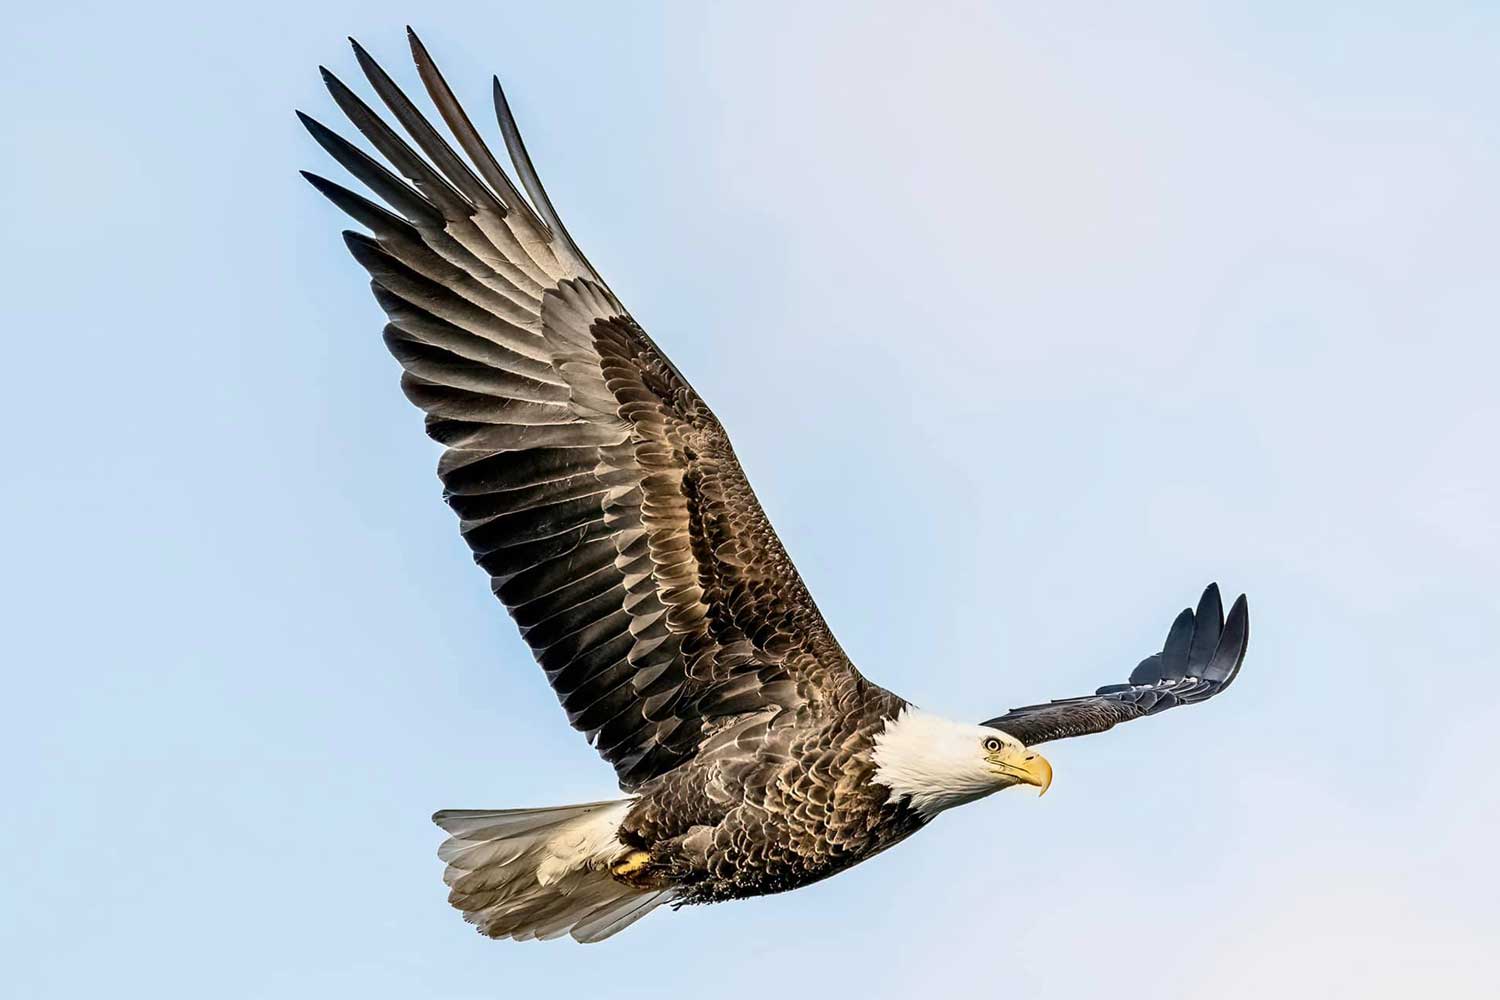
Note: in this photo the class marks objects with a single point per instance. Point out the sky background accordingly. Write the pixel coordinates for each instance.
(1027, 320)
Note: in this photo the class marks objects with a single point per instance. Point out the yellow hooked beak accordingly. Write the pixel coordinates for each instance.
(1031, 768)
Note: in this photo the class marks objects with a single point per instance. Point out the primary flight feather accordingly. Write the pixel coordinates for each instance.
(604, 500)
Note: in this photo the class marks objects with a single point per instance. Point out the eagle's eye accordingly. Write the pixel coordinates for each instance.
(993, 745)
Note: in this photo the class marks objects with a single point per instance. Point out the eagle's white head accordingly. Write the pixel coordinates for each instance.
(936, 763)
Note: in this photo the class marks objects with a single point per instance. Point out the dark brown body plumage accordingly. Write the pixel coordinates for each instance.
(798, 808)
(604, 500)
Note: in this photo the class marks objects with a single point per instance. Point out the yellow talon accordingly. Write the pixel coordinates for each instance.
(631, 864)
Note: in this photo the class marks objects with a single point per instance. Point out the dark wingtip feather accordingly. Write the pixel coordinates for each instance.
(361, 56)
(428, 180)
(453, 169)
(1174, 652)
(1148, 671)
(502, 106)
(1211, 594)
(362, 210)
(384, 183)
(364, 58)
(1208, 622)
(418, 49)
(362, 245)
(367, 251)
(324, 136)
(1233, 643)
(326, 187)
(526, 170)
(516, 146)
(469, 138)
(338, 88)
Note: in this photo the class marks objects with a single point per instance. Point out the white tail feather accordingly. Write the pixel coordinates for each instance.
(542, 873)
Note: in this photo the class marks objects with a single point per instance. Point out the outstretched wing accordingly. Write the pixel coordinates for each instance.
(591, 481)
(1201, 657)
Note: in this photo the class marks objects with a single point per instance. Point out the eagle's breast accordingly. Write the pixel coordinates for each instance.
(802, 809)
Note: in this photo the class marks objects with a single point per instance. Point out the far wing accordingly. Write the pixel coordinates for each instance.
(1201, 657)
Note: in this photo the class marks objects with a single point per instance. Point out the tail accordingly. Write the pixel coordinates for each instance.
(542, 873)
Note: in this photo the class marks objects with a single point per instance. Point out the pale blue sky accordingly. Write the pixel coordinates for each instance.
(1011, 309)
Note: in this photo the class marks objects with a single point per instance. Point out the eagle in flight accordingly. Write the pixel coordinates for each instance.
(602, 497)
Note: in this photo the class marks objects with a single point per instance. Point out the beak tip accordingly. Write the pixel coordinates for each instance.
(1038, 771)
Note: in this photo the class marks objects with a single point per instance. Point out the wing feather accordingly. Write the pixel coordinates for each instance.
(469, 138)
(1201, 657)
(591, 482)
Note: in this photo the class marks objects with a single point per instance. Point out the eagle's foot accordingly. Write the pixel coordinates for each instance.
(633, 870)
(632, 864)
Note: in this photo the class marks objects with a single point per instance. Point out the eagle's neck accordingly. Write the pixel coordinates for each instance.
(932, 762)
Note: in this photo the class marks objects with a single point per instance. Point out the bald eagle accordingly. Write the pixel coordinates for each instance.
(602, 497)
